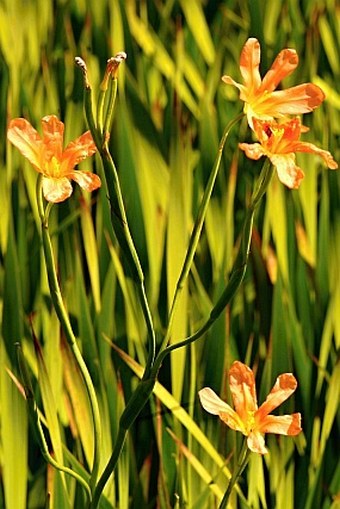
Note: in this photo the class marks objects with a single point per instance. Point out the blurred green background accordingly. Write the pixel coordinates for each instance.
(171, 111)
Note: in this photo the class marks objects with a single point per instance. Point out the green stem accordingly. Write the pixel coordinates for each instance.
(110, 106)
(241, 465)
(124, 237)
(37, 428)
(131, 411)
(118, 215)
(196, 232)
(63, 317)
(238, 270)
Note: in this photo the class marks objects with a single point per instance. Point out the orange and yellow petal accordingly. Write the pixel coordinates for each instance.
(249, 64)
(228, 80)
(283, 388)
(56, 190)
(292, 101)
(87, 180)
(302, 146)
(78, 150)
(288, 172)
(53, 136)
(213, 404)
(27, 140)
(280, 424)
(252, 150)
(255, 443)
(284, 64)
(243, 390)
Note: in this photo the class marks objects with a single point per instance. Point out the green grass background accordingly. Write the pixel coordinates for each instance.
(171, 111)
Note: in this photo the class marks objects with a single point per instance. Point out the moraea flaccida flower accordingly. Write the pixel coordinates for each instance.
(247, 418)
(48, 157)
(260, 97)
(279, 142)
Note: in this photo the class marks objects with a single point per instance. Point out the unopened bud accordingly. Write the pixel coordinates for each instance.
(81, 64)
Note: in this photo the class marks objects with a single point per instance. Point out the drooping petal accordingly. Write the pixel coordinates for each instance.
(283, 388)
(27, 140)
(228, 80)
(243, 390)
(212, 403)
(53, 136)
(78, 150)
(284, 64)
(249, 64)
(87, 180)
(56, 190)
(216, 406)
(292, 101)
(255, 442)
(281, 424)
(252, 150)
(302, 146)
(288, 172)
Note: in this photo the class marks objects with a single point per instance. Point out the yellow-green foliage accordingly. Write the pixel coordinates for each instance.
(170, 114)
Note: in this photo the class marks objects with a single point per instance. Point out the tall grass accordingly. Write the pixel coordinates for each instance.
(170, 114)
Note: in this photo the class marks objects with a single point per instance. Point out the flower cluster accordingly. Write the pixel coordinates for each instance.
(267, 111)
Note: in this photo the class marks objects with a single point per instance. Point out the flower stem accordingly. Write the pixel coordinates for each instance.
(196, 232)
(238, 270)
(36, 423)
(122, 231)
(63, 317)
(241, 465)
(118, 215)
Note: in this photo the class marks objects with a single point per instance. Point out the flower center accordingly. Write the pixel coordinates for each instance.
(52, 168)
(250, 423)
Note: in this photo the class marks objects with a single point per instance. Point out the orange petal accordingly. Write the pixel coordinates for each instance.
(252, 150)
(255, 442)
(78, 150)
(27, 140)
(288, 172)
(249, 64)
(293, 101)
(281, 424)
(53, 136)
(56, 190)
(229, 81)
(283, 65)
(87, 180)
(302, 146)
(283, 388)
(243, 390)
(216, 406)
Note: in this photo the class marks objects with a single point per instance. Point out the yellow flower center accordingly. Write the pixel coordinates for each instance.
(250, 422)
(52, 168)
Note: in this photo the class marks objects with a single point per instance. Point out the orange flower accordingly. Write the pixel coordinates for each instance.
(252, 421)
(279, 142)
(261, 99)
(48, 157)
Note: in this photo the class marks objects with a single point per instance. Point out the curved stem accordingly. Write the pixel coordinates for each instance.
(196, 232)
(63, 317)
(123, 234)
(110, 467)
(237, 273)
(35, 421)
(242, 463)
(131, 411)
